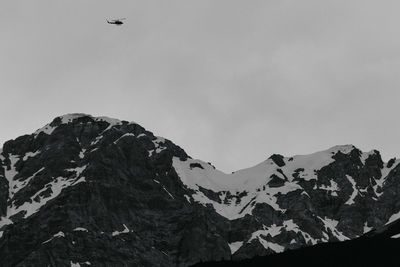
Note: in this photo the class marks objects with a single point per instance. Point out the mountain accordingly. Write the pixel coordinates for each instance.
(97, 191)
(376, 248)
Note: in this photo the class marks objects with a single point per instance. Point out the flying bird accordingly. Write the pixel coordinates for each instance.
(117, 22)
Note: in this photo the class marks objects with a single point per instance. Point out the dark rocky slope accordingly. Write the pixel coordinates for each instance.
(376, 248)
(102, 192)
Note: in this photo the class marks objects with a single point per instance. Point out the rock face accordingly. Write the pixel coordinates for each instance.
(98, 191)
(372, 249)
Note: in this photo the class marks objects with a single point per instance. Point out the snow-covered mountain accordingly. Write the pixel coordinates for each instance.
(98, 191)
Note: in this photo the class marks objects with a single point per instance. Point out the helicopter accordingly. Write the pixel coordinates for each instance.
(117, 22)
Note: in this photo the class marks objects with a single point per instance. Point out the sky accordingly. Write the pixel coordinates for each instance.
(231, 82)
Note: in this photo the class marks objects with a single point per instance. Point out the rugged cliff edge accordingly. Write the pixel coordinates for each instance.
(97, 191)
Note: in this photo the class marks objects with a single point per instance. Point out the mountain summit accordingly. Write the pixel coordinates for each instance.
(97, 191)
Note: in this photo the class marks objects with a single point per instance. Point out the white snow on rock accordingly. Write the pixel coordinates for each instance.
(395, 236)
(235, 246)
(82, 153)
(81, 229)
(312, 162)
(37, 200)
(30, 154)
(18, 184)
(96, 140)
(47, 129)
(393, 218)
(112, 122)
(331, 225)
(252, 181)
(158, 147)
(65, 119)
(56, 186)
(333, 188)
(290, 225)
(272, 231)
(256, 176)
(350, 201)
(187, 198)
(210, 178)
(78, 170)
(273, 246)
(78, 264)
(385, 172)
(168, 192)
(123, 136)
(68, 118)
(59, 234)
(126, 230)
(366, 228)
(10, 174)
(365, 156)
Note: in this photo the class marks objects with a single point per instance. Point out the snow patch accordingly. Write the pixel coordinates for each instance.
(96, 140)
(81, 229)
(393, 218)
(395, 236)
(112, 122)
(350, 201)
(10, 174)
(365, 156)
(273, 246)
(47, 129)
(272, 231)
(187, 198)
(59, 234)
(77, 264)
(235, 246)
(366, 228)
(331, 225)
(126, 230)
(30, 154)
(78, 170)
(333, 188)
(82, 153)
(291, 226)
(158, 147)
(125, 135)
(168, 193)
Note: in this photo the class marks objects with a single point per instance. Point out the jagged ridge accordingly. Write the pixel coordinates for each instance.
(139, 199)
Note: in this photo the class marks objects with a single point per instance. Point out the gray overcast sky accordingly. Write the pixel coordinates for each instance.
(230, 81)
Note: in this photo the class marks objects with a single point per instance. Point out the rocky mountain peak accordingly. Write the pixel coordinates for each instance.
(126, 195)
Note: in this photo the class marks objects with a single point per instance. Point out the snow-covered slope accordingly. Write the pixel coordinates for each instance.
(252, 184)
